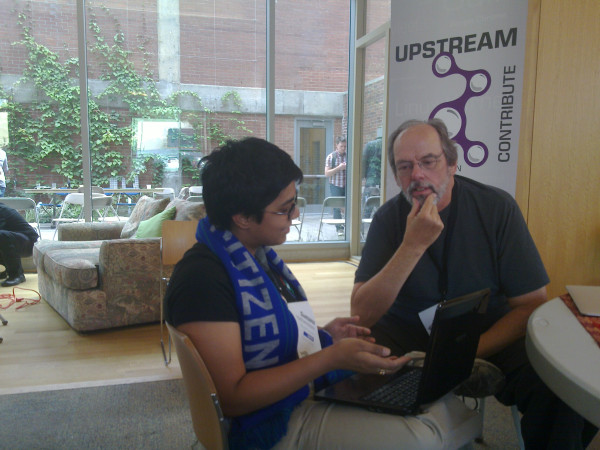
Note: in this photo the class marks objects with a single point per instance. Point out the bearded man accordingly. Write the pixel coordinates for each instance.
(445, 236)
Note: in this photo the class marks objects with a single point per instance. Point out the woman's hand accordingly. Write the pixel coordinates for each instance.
(365, 357)
(345, 327)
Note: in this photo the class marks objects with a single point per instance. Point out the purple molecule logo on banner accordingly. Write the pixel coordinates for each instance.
(453, 114)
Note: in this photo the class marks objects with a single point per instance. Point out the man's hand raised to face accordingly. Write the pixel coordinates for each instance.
(423, 224)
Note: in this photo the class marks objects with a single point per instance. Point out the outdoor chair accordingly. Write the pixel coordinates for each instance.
(50, 208)
(177, 237)
(165, 193)
(371, 205)
(328, 204)
(100, 190)
(195, 190)
(195, 198)
(100, 202)
(209, 423)
(297, 223)
(23, 204)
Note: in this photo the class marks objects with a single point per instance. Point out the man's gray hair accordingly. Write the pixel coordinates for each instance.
(448, 145)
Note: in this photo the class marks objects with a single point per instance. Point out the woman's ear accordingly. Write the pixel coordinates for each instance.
(241, 221)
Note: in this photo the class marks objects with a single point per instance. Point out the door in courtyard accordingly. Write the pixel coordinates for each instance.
(314, 141)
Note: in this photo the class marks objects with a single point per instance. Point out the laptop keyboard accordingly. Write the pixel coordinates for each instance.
(398, 392)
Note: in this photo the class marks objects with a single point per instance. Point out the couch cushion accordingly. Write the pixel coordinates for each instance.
(74, 268)
(153, 226)
(188, 210)
(42, 246)
(89, 231)
(145, 208)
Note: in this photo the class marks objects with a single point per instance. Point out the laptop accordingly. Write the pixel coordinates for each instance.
(448, 362)
(587, 299)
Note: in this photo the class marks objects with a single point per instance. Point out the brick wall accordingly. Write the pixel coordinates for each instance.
(222, 43)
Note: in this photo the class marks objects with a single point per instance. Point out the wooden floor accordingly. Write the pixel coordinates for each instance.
(41, 352)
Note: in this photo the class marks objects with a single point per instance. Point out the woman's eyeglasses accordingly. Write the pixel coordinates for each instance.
(287, 213)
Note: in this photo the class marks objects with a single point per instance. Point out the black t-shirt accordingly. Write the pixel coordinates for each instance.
(200, 289)
(490, 247)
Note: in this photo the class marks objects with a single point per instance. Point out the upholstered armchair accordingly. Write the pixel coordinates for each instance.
(99, 275)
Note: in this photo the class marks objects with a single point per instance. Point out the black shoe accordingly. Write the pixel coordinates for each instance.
(3, 275)
(486, 379)
(13, 281)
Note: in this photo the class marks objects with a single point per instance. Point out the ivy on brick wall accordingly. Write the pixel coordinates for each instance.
(45, 133)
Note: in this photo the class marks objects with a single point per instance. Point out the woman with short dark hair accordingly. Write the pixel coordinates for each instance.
(238, 302)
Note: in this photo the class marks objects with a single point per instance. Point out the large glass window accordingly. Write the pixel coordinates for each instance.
(180, 78)
(372, 154)
(168, 81)
(311, 110)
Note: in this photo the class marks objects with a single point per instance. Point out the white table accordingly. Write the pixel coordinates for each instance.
(566, 357)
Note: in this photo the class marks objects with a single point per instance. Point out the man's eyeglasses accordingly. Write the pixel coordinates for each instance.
(428, 163)
(287, 213)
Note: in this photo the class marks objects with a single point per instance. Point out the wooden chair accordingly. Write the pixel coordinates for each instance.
(209, 423)
(331, 202)
(177, 237)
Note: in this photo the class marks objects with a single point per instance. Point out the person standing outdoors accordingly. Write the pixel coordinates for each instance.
(335, 170)
(3, 171)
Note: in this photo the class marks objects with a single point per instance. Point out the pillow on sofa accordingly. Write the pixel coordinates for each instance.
(188, 210)
(145, 208)
(153, 226)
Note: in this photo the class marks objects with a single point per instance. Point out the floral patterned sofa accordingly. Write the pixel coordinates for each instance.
(99, 275)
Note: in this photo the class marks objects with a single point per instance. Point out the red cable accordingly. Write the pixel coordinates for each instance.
(14, 299)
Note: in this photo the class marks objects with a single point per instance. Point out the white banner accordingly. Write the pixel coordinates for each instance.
(462, 61)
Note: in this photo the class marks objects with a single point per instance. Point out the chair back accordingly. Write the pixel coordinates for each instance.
(301, 202)
(195, 190)
(195, 198)
(210, 426)
(74, 198)
(184, 193)
(18, 203)
(298, 222)
(165, 193)
(331, 202)
(95, 189)
(23, 204)
(101, 201)
(371, 204)
(178, 236)
(334, 202)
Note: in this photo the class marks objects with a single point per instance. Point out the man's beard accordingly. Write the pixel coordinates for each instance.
(439, 192)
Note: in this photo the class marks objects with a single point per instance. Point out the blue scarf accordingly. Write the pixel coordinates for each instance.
(269, 331)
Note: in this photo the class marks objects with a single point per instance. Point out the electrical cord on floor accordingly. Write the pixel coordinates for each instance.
(14, 299)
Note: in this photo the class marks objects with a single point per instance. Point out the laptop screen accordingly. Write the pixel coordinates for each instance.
(452, 344)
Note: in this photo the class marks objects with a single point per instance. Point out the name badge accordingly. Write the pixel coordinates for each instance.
(308, 333)
(427, 316)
